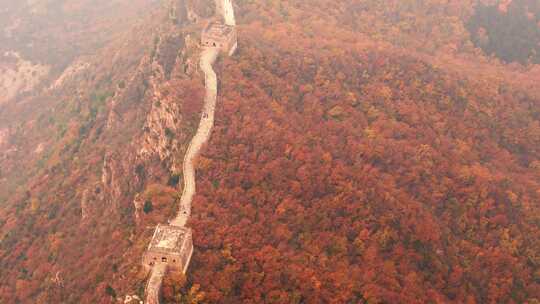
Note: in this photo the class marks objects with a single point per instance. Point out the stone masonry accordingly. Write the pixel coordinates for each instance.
(171, 246)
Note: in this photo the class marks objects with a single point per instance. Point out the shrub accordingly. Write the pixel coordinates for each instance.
(148, 207)
(173, 180)
(110, 291)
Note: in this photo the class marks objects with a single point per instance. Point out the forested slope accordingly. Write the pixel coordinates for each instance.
(346, 169)
(362, 153)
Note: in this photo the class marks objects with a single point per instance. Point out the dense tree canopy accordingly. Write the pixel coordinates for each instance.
(371, 177)
(364, 152)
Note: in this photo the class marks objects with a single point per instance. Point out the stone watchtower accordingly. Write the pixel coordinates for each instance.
(221, 36)
(171, 246)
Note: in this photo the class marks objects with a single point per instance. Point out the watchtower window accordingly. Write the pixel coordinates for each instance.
(164, 259)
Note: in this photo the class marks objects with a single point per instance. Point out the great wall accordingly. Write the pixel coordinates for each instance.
(171, 246)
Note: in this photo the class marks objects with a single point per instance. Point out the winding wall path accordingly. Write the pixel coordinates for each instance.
(154, 284)
(208, 57)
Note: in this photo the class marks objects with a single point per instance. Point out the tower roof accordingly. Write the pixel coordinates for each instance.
(217, 29)
(169, 239)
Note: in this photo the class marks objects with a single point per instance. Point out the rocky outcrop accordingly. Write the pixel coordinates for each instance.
(18, 75)
(162, 129)
(118, 178)
(186, 64)
(109, 175)
(138, 204)
(155, 114)
(70, 72)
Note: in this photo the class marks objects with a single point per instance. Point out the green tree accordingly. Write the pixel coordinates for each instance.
(110, 291)
(148, 207)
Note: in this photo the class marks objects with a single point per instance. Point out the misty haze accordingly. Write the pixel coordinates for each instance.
(274, 152)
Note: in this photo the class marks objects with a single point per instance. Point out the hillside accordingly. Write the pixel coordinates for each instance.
(362, 153)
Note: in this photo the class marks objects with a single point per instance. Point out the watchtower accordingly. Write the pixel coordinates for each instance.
(221, 36)
(170, 245)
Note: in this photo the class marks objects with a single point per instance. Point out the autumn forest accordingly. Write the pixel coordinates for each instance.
(363, 152)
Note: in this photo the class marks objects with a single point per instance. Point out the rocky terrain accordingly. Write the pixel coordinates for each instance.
(19, 76)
